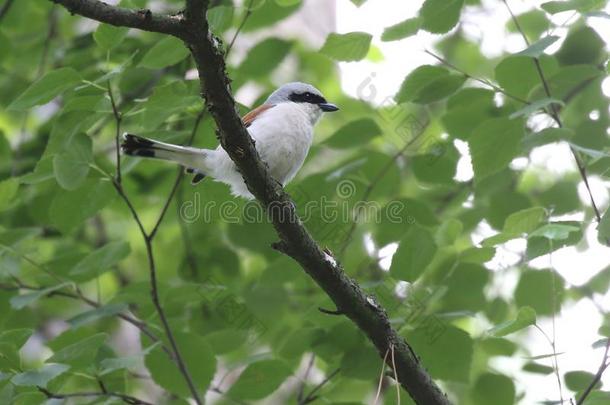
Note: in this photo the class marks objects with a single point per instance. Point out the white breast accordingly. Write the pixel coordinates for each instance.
(282, 135)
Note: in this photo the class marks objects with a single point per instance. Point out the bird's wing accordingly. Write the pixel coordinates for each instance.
(249, 118)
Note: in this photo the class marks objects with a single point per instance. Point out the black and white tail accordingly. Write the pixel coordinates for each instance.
(191, 158)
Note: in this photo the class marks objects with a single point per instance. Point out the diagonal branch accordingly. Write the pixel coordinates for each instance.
(598, 376)
(295, 240)
(123, 17)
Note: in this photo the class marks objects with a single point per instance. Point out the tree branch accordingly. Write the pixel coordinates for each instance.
(6, 6)
(598, 376)
(123, 17)
(347, 295)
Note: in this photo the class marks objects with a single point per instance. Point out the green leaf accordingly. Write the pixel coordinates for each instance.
(348, 47)
(448, 232)
(498, 346)
(537, 48)
(220, 18)
(108, 36)
(535, 106)
(201, 366)
(554, 231)
(439, 16)
(438, 166)
(537, 368)
(70, 208)
(466, 276)
(166, 101)
(578, 381)
(444, 349)
(354, 133)
(71, 166)
(101, 260)
(80, 354)
(428, 83)
(583, 45)
(96, 314)
(16, 337)
(525, 317)
(46, 88)
(264, 57)
(491, 388)
(554, 7)
(402, 30)
(518, 74)
(267, 13)
(166, 52)
(415, 252)
(546, 136)
(540, 289)
(361, 363)
(534, 23)
(493, 145)
(23, 300)
(524, 221)
(109, 365)
(41, 377)
(8, 192)
(260, 379)
(466, 109)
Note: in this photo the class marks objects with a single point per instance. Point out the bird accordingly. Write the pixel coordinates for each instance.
(282, 130)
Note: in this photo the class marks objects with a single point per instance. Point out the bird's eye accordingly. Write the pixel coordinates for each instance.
(308, 96)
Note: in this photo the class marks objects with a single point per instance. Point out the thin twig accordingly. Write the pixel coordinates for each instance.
(117, 138)
(241, 26)
(487, 83)
(371, 186)
(154, 292)
(554, 361)
(154, 289)
(555, 115)
(141, 325)
(178, 180)
(598, 376)
(301, 391)
(124, 397)
(312, 394)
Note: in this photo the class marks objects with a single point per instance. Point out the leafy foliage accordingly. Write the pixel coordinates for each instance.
(380, 177)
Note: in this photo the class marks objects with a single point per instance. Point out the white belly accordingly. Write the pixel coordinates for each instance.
(282, 136)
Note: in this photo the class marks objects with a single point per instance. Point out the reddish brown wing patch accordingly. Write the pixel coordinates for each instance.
(251, 116)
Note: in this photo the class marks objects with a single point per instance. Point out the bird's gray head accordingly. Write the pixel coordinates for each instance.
(298, 92)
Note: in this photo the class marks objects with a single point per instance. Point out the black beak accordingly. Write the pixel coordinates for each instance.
(328, 107)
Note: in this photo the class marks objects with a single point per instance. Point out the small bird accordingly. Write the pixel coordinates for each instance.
(282, 129)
